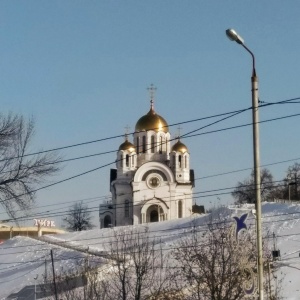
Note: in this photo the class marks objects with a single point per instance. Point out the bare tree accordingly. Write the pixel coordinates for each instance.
(139, 269)
(245, 191)
(79, 217)
(292, 178)
(289, 187)
(81, 282)
(136, 269)
(21, 173)
(217, 265)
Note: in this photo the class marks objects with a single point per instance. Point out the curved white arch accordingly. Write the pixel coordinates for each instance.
(153, 166)
(155, 201)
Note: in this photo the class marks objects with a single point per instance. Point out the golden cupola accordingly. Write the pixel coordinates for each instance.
(127, 146)
(180, 147)
(152, 121)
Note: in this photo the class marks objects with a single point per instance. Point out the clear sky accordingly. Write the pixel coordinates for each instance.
(82, 69)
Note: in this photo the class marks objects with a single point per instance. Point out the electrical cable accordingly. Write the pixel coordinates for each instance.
(199, 178)
(171, 125)
(108, 164)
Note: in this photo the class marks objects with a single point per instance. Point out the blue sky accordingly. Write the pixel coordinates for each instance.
(82, 68)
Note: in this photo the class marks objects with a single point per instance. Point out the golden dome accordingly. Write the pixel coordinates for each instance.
(152, 121)
(127, 146)
(179, 147)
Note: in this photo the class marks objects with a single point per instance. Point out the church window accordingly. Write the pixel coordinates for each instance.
(185, 161)
(152, 144)
(126, 209)
(179, 161)
(138, 144)
(167, 143)
(127, 160)
(179, 209)
(144, 144)
(121, 160)
(160, 144)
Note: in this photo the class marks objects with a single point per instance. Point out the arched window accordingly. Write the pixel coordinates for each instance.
(126, 209)
(107, 221)
(127, 160)
(160, 144)
(179, 209)
(138, 144)
(152, 144)
(121, 160)
(166, 147)
(144, 144)
(185, 161)
(179, 161)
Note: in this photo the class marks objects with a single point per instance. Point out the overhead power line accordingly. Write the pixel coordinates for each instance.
(105, 165)
(171, 125)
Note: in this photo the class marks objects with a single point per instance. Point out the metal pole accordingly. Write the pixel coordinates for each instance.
(53, 270)
(270, 287)
(255, 117)
(233, 36)
(35, 278)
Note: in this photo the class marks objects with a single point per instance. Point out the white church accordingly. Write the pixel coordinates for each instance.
(152, 181)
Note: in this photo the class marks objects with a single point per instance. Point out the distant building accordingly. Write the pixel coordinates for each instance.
(8, 232)
(152, 181)
(198, 209)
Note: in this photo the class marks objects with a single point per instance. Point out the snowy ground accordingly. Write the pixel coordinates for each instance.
(22, 259)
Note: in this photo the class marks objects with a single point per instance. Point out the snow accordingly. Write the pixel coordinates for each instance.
(23, 258)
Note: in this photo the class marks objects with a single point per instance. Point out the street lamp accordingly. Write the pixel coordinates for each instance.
(233, 36)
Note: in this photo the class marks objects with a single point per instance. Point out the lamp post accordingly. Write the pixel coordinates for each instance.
(233, 36)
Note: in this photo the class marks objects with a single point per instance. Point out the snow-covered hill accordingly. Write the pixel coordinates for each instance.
(23, 259)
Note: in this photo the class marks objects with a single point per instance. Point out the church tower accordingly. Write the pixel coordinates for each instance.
(152, 181)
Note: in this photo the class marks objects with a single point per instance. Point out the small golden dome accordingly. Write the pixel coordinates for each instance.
(179, 147)
(152, 121)
(127, 146)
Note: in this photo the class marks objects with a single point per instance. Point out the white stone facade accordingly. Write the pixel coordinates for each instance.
(152, 182)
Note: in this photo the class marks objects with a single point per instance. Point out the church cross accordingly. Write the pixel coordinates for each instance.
(179, 131)
(127, 128)
(152, 90)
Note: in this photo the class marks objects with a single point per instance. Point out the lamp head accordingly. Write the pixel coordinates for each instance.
(233, 36)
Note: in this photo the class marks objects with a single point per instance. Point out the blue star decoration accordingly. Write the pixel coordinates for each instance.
(240, 223)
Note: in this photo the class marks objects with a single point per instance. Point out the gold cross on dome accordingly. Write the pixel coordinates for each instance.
(179, 131)
(127, 128)
(152, 90)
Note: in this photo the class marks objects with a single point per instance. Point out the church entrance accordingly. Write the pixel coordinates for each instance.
(155, 213)
(107, 221)
(153, 216)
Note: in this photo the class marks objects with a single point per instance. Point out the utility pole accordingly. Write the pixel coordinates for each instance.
(269, 281)
(53, 274)
(45, 277)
